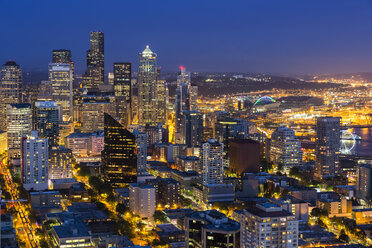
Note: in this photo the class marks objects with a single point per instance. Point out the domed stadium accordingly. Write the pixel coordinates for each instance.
(264, 101)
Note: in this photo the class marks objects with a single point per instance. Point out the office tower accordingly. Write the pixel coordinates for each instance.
(244, 156)
(227, 129)
(194, 97)
(34, 162)
(60, 163)
(61, 56)
(10, 88)
(141, 140)
(231, 128)
(285, 148)
(94, 105)
(191, 128)
(161, 101)
(94, 75)
(142, 200)
(123, 91)
(147, 82)
(19, 123)
(156, 134)
(119, 158)
(211, 229)
(278, 227)
(183, 97)
(364, 182)
(46, 119)
(327, 147)
(211, 162)
(60, 76)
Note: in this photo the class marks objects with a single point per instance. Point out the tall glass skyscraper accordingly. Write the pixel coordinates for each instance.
(123, 91)
(60, 77)
(119, 158)
(147, 80)
(10, 88)
(94, 75)
(61, 56)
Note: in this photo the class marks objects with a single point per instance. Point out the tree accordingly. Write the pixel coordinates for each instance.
(111, 198)
(159, 216)
(158, 243)
(95, 183)
(343, 236)
(125, 228)
(121, 208)
(44, 244)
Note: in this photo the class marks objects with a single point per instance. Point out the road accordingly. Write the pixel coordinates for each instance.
(31, 240)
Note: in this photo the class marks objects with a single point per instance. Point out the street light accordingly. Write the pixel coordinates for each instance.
(4, 201)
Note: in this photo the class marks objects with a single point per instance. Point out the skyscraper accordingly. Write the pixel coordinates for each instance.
(327, 147)
(285, 148)
(94, 75)
(10, 88)
(211, 162)
(61, 56)
(19, 123)
(364, 182)
(141, 139)
(119, 158)
(60, 76)
(123, 91)
(191, 128)
(34, 162)
(147, 81)
(183, 99)
(46, 119)
(60, 160)
(94, 105)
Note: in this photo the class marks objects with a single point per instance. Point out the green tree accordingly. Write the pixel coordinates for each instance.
(343, 236)
(121, 208)
(159, 216)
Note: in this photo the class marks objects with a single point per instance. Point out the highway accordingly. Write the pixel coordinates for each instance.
(31, 239)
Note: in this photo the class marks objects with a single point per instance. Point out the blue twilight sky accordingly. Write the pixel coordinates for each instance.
(274, 36)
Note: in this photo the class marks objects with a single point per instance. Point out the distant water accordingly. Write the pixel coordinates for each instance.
(363, 147)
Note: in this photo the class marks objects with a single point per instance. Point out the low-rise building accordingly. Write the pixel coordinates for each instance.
(171, 235)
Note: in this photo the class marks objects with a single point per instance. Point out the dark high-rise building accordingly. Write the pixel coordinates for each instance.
(123, 91)
(61, 56)
(119, 158)
(327, 147)
(10, 89)
(183, 99)
(94, 75)
(46, 119)
(244, 156)
(211, 229)
(364, 182)
(191, 128)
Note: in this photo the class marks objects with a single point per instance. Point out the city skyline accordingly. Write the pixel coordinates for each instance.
(244, 36)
